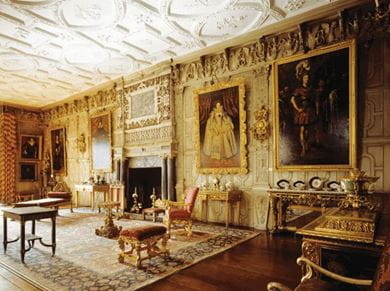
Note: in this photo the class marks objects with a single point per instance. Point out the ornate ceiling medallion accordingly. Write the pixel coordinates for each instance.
(210, 21)
(89, 14)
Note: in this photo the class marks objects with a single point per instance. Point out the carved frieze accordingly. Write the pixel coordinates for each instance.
(367, 22)
(152, 135)
(153, 96)
(100, 99)
(323, 33)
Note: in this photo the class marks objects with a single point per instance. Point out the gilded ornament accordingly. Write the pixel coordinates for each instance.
(260, 129)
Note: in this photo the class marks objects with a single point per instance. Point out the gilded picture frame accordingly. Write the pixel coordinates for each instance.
(220, 128)
(101, 154)
(314, 106)
(28, 172)
(58, 150)
(30, 147)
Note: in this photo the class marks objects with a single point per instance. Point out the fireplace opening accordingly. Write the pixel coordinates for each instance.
(144, 180)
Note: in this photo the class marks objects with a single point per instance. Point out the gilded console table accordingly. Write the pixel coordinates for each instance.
(229, 197)
(281, 199)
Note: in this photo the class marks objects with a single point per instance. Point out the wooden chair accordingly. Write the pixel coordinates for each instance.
(380, 282)
(178, 214)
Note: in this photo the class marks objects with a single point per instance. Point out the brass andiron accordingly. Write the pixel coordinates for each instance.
(153, 197)
(357, 186)
(136, 205)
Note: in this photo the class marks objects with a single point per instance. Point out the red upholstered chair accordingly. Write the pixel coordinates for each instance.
(178, 214)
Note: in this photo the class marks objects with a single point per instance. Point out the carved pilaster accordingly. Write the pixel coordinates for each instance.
(164, 178)
(171, 178)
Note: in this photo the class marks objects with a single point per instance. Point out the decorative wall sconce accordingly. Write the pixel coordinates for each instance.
(260, 129)
(81, 143)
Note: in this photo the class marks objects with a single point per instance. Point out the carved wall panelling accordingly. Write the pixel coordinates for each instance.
(374, 114)
(259, 207)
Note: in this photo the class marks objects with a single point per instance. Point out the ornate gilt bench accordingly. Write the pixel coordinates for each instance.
(140, 239)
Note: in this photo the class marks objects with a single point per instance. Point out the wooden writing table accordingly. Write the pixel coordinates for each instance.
(25, 214)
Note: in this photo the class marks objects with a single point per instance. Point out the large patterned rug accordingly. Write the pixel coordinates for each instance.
(84, 261)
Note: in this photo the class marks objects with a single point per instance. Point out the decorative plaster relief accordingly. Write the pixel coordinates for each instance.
(145, 162)
(143, 104)
(91, 13)
(158, 106)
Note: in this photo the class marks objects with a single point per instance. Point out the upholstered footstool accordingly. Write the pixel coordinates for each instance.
(144, 238)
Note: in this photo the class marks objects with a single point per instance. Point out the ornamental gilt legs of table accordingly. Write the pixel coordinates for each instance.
(281, 199)
(25, 214)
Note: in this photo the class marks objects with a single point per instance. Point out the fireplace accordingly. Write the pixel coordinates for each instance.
(143, 180)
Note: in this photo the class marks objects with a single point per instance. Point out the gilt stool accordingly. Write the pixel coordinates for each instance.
(143, 238)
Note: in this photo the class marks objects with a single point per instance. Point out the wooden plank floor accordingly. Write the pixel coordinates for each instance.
(248, 266)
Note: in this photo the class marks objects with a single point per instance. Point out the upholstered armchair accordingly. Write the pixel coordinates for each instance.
(178, 214)
(380, 282)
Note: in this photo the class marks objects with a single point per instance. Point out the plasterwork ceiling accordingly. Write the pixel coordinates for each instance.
(52, 49)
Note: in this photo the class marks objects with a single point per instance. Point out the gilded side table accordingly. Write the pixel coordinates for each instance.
(230, 198)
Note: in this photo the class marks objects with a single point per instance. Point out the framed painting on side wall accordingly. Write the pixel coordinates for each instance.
(58, 150)
(101, 142)
(28, 172)
(220, 128)
(30, 147)
(314, 105)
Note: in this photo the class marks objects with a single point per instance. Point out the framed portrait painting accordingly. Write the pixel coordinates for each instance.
(314, 105)
(58, 150)
(220, 128)
(101, 142)
(30, 147)
(28, 172)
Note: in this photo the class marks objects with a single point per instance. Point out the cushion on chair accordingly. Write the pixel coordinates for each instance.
(316, 285)
(143, 232)
(179, 213)
(64, 195)
(190, 198)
